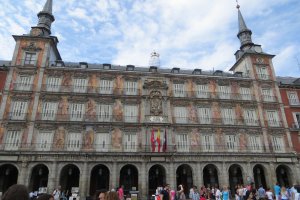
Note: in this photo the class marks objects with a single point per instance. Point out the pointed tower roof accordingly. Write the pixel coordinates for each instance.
(244, 33)
(46, 18)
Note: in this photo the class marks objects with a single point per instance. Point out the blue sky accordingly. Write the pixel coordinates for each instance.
(186, 33)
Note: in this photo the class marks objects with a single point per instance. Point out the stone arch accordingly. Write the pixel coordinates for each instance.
(69, 177)
(129, 177)
(184, 176)
(8, 176)
(211, 175)
(259, 175)
(284, 175)
(156, 177)
(99, 178)
(39, 177)
(235, 172)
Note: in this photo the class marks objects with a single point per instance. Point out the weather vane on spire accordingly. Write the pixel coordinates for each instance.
(237, 4)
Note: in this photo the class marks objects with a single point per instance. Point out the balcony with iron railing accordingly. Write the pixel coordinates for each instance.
(274, 124)
(264, 77)
(21, 87)
(78, 147)
(294, 102)
(269, 98)
(295, 126)
(17, 116)
(26, 62)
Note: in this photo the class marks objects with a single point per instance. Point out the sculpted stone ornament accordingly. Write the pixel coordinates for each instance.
(32, 46)
(156, 103)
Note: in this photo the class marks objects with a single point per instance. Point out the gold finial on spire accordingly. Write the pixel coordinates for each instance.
(237, 4)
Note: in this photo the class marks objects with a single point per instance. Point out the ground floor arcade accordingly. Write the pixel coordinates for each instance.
(144, 172)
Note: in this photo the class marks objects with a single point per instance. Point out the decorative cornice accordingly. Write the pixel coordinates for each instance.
(201, 81)
(49, 97)
(155, 84)
(46, 127)
(223, 82)
(32, 47)
(22, 97)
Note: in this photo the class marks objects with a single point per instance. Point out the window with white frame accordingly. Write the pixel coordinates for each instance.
(49, 110)
(182, 142)
(228, 115)
(180, 114)
(255, 143)
(102, 142)
(293, 98)
(131, 113)
(224, 91)
(202, 91)
(53, 84)
(245, 93)
(76, 111)
(250, 117)
(208, 142)
(73, 141)
(30, 58)
(262, 73)
(131, 87)
(130, 142)
(44, 140)
(106, 86)
(179, 90)
(232, 142)
(278, 145)
(204, 114)
(13, 140)
(296, 123)
(104, 112)
(18, 110)
(24, 82)
(268, 95)
(273, 118)
(79, 85)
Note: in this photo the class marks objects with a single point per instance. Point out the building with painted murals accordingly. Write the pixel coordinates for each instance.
(98, 126)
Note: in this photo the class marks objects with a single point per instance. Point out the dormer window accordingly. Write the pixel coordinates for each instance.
(130, 68)
(106, 66)
(197, 71)
(238, 74)
(83, 65)
(153, 69)
(30, 58)
(218, 73)
(59, 63)
(175, 70)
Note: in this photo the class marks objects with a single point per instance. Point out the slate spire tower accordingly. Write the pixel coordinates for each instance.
(244, 33)
(46, 18)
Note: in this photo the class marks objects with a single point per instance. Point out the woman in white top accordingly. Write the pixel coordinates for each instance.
(269, 194)
(284, 193)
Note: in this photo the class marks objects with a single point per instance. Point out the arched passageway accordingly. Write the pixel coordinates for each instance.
(156, 178)
(69, 177)
(210, 176)
(8, 176)
(129, 178)
(235, 177)
(259, 176)
(39, 177)
(283, 176)
(184, 176)
(99, 179)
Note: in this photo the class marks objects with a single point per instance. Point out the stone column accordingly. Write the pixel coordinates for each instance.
(114, 175)
(143, 180)
(271, 178)
(171, 179)
(225, 176)
(83, 181)
(199, 175)
(53, 179)
(23, 174)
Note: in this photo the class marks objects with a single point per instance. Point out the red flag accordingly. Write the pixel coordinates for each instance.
(158, 139)
(152, 141)
(165, 141)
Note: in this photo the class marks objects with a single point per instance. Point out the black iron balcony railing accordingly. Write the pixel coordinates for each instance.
(22, 87)
(269, 98)
(263, 76)
(80, 147)
(26, 62)
(17, 116)
(215, 121)
(294, 102)
(274, 123)
(296, 125)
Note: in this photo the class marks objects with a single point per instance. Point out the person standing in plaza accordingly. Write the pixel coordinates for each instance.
(225, 193)
(269, 194)
(284, 193)
(56, 193)
(261, 193)
(165, 192)
(121, 192)
(277, 191)
(195, 195)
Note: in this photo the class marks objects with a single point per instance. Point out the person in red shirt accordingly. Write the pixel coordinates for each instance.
(121, 193)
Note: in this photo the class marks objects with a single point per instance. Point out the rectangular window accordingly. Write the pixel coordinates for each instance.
(245, 93)
(53, 84)
(49, 110)
(208, 143)
(204, 115)
(130, 142)
(106, 86)
(182, 142)
(250, 117)
(293, 98)
(180, 114)
(18, 110)
(102, 142)
(228, 116)
(224, 92)
(13, 140)
(273, 118)
(79, 85)
(179, 90)
(74, 141)
(76, 111)
(262, 73)
(104, 112)
(44, 140)
(30, 58)
(268, 95)
(131, 113)
(131, 88)
(255, 143)
(24, 82)
(202, 91)
(296, 120)
(231, 143)
(278, 144)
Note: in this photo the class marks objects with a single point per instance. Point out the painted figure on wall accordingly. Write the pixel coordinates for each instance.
(119, 85)
(92, 83)
(1, 134)
(192, 113)
(243, 142)
(64, 107)
(190, 88)
(67, 82)
(195, 139)
(89, 139)
(116, 139)
(118, 111)
(59, 138)
(91, 110)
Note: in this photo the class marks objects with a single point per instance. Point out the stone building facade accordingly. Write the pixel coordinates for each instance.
(98, 126)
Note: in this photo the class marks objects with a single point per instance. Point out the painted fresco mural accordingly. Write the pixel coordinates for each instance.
(116, 139)
(59, 138)
(118, 110)
(89, 138)
(91, 113)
